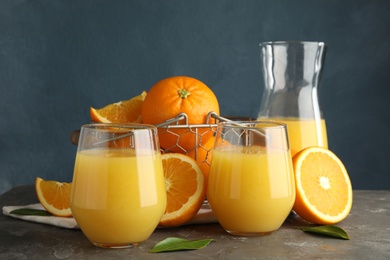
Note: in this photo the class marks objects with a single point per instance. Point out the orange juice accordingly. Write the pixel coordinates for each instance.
(251, 190)
(118, 197)
(303, 133)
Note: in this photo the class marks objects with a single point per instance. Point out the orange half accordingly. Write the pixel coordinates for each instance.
(323, 186)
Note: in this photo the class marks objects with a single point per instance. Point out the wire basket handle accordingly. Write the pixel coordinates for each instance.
(179, 117)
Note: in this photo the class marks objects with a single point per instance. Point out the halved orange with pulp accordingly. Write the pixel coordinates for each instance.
(323, 186)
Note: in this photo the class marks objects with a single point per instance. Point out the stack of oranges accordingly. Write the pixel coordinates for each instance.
(324, 191)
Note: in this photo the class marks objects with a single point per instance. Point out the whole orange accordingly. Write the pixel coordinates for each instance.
(172, 96)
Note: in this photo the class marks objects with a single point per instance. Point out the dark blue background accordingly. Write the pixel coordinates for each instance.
(58, 58)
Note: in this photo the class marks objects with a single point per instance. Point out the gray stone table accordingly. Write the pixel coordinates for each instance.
(368, 227)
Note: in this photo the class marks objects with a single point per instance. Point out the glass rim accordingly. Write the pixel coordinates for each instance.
(291, 42)
(253, 124)
(129, 126)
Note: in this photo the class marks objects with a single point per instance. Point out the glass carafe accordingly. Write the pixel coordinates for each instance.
(292, 73)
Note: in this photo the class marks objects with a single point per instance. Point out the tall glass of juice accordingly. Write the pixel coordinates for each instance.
(118, 191)
(251, 186)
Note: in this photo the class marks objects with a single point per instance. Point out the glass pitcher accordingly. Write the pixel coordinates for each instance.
(292, 72)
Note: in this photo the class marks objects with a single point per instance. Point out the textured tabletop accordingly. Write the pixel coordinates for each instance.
(368, 227)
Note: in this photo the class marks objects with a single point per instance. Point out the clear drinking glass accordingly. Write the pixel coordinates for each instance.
(292, 73)
(118, 190)
(251, 186)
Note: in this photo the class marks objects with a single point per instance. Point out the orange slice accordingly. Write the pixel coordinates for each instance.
(184, 182)
(54, 196)
(128, 111)
(323, 187)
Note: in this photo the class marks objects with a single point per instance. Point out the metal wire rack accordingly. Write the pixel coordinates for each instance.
(198, 131)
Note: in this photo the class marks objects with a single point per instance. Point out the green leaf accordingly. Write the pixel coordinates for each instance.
(177, 244)
(35, 212)
(332, 231)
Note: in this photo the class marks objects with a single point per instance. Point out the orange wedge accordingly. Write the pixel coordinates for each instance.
(54, 196)
(184, 182)
(128, 111)
(323, 187)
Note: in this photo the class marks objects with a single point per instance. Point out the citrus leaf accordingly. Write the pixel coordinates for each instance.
(332, 231)
(35, 212)
(177, 244)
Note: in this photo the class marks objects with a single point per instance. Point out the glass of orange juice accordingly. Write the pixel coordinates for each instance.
(251, 186)
(118, 191)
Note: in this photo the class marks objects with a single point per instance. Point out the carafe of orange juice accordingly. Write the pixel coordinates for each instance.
(292, 72)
